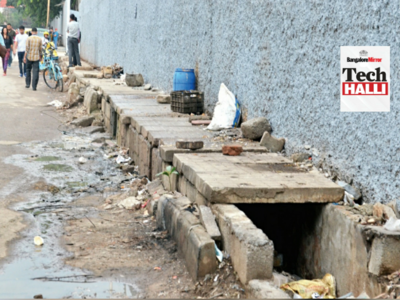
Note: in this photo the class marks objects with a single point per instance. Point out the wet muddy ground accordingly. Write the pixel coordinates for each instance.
(90, 251)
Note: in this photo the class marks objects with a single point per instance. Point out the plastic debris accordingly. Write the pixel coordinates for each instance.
(348, 295)
(227, 111)
(392, 224)
(218, 253)
(82, 160)
(297, 296)
(120, 159)
(55, 103)
(348, 199)
(38, 241)
(325, 287)
(157, 268)
(363, 295)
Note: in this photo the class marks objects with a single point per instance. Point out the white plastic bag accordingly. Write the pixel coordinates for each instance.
(226, 112)
(392, 224)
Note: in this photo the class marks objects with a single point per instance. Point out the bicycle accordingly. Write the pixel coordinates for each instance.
(52, 73)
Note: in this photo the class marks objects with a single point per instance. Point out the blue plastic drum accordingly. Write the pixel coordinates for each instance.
(184, 80)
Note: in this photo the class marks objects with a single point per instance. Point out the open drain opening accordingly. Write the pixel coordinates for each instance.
(290, 227)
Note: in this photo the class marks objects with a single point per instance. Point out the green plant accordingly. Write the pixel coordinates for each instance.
(169, 171)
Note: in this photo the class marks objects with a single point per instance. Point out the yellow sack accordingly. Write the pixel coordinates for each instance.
(325, 287)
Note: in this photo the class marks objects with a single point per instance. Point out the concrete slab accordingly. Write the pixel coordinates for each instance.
(207, 219)
(255, 178)
(194, 243)
(251, 251)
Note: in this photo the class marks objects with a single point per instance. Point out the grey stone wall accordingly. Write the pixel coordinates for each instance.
(281, 59)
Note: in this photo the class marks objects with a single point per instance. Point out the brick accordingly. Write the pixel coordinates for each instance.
(232, 150)
(207, 219)
(201, 122)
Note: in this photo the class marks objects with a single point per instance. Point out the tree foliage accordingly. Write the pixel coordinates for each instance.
(37, 9)
(15, 18)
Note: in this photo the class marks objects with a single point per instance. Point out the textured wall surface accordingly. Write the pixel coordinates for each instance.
(281, 59)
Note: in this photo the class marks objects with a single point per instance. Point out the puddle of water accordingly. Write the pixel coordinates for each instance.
(27, 260)
(16, 282)
(48, 158)
(58, 168)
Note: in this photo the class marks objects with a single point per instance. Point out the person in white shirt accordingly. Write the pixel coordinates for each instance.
(20, 47)
(73, 41)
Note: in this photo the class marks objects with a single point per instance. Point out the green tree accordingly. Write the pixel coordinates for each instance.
(37, 9)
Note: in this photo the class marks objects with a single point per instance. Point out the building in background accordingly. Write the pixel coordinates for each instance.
(62, 20)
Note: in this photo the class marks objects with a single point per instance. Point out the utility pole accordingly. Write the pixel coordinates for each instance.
(48, 13)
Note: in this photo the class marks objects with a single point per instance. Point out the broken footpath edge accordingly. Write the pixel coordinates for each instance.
(194, 244)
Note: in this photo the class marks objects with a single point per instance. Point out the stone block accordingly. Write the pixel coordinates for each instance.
(263, 289)
(122, 135)
(251, 251)
(191, 192)
(73, 92)
(152, 207)
(144, 156)
(232, 150)
(272, 143)
(107, 110)
(83, 122)
(164, 99)
(300, 157)
(207, 219)
(255, 128)
(385, 253)
(194, 243)
(156, 163)
(182, 185)
(134, 80)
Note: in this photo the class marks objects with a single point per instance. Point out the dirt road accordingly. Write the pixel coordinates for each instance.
(56, 183)
(22, 119)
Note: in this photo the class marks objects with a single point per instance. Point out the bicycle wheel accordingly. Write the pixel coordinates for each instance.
(49, 78)
(60, 85)
(60, 81)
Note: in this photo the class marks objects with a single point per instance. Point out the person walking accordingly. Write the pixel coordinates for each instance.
(20, 47)
(3, 49)
(33, 55)
(55, 37)
(73, 41)
(12, 34)
(8, 42)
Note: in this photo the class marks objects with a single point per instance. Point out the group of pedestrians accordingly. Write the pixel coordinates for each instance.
(30, 49)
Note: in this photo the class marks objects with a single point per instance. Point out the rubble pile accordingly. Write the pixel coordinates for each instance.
(371, 214)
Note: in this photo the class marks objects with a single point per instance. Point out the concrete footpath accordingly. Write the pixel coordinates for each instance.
(211, 181)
